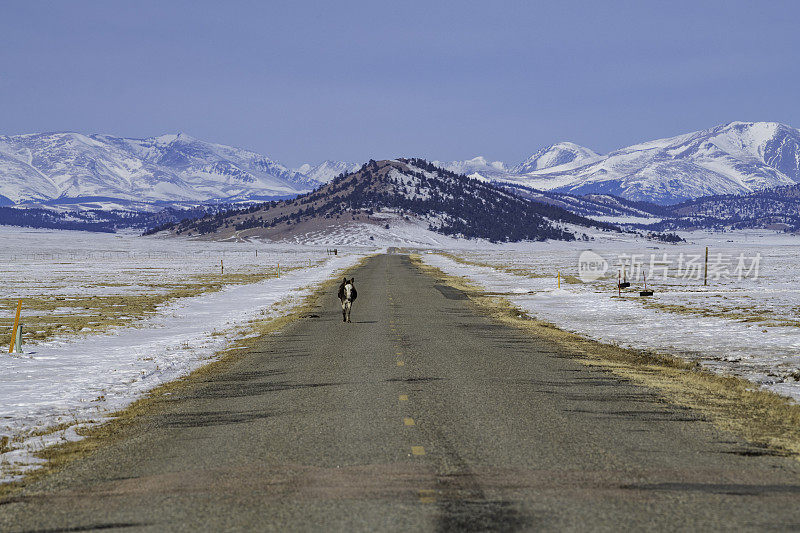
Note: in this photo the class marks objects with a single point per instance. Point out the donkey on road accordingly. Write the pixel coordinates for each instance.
(347, 294)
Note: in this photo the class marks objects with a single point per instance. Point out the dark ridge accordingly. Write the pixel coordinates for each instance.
(777, 208)
(452, 204)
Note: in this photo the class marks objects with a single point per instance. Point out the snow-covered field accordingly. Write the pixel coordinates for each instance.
(411, 233)
(109, 317)
(76, 377)
(747, 327)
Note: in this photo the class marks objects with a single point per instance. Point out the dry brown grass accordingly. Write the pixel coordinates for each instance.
(729, 312)
(93, 314)
(517, 271)
(123, 422)
(732, 404)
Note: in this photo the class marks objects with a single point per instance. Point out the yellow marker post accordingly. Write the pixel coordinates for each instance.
(16, 327)
(559, 279)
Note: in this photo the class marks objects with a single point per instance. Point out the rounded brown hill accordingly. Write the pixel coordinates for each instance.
(412, 189)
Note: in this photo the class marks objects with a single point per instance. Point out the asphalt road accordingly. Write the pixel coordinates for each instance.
(420, 415)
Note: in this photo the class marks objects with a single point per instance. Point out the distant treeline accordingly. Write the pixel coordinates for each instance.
(42, 218)
(101, 221)
(771, 208)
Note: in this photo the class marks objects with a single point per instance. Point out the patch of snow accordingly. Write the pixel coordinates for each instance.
(742, 327)
(81, 379)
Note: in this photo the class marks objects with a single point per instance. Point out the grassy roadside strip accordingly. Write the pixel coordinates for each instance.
(516, 271)
(123, 422)
(739, 314)
(718, 310)
(98, 313)
(733, 404)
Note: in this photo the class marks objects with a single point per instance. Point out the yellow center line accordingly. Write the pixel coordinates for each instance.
(417, 450)
(404, 397)
(427, 496)
(408, 421)
(401, 363)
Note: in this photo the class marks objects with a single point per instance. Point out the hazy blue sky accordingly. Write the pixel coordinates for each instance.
(302, 81)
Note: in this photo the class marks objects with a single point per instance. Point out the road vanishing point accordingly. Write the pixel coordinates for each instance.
(421, 415)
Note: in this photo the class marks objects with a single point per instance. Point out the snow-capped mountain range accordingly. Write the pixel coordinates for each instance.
(734, 158)
(327, 170)
(71, 168)
(477, 167)
(555, 155)
(108, 171)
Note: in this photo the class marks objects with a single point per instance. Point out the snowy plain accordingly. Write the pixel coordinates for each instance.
(747, 327)
(71, 380)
